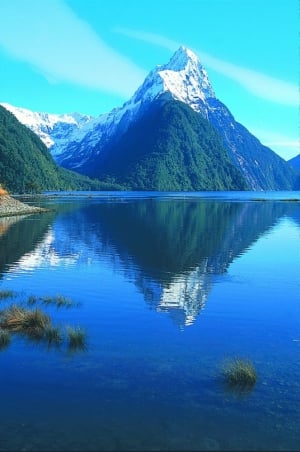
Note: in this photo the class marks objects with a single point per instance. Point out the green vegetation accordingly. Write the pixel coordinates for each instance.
(4, 339)
(37, 325)
(18, 319)
(171, 148)
(77, 338)
(26, 165)
(32, 300)
(53, 335)
(240, 375)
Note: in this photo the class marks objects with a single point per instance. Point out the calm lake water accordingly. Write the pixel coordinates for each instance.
(167, 288)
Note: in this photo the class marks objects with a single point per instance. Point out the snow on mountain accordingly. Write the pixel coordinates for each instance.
(75, 139)
(72, 137)
(54, 130)
(184, 78)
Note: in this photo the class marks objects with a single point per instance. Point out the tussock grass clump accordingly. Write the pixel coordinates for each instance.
(5, 294)
(58, 301)
(4, 339)
(53, 335)
(77, 338)
(36, 325)
(18, 319)
(32, 300)
(240, 375)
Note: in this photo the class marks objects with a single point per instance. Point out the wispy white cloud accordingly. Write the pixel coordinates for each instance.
(49, 36)
(151, 38)
(259, 84)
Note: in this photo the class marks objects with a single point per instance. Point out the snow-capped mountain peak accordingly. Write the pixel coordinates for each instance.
(183, 77)
(182, 58)
(77, 141)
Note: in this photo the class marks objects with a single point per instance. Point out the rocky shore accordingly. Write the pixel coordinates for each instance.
(10, 206)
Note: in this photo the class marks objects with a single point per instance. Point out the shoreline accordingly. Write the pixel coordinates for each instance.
(11, 207)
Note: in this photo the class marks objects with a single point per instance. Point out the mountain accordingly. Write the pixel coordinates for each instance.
(54, 130)
(183, 79)
(295, 162)
(170, 147)
(262, 168)
(27, 165)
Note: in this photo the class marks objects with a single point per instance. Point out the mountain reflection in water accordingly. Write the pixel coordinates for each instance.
(20, 235)
(171, 249)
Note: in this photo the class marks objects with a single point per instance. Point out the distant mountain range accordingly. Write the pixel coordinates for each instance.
(26, 164)
(173, 134)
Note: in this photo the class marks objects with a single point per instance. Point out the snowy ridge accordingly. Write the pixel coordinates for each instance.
(54, 130)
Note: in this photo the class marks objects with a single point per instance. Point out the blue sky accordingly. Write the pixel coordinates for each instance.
(61, 56)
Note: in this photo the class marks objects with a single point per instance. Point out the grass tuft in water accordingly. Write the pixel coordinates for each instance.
(4, 339)
(77, 338)
(53, 335)
(5, 294)
(240, 375)
(32, 300)
(58, 301)
(37, 326)
(18, 319)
